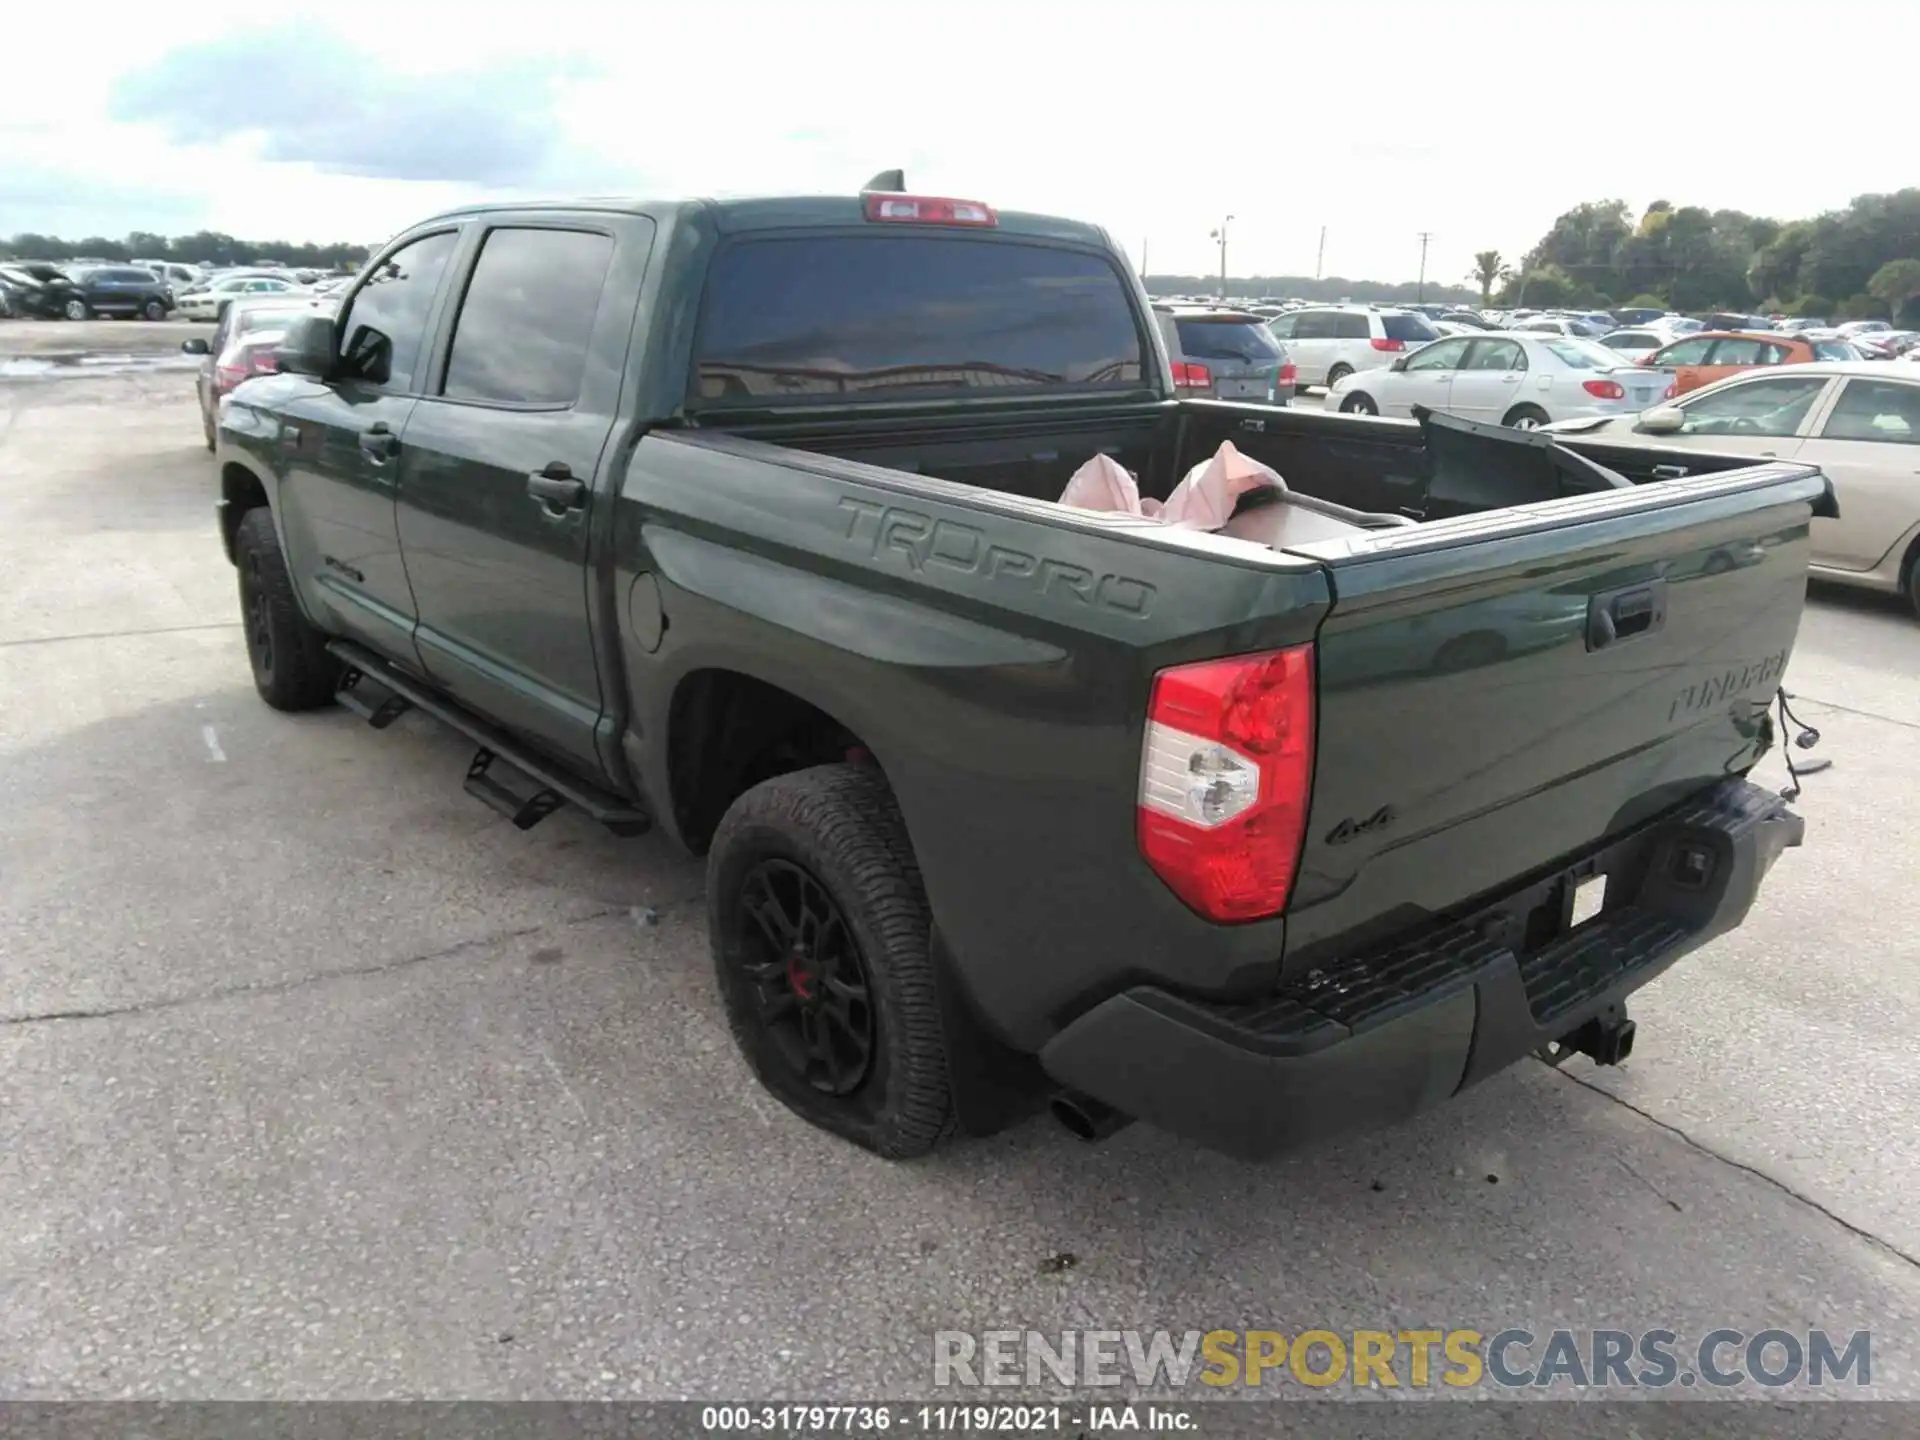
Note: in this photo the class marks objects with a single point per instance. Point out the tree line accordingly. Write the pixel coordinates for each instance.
(1857, 263)
(203, 247)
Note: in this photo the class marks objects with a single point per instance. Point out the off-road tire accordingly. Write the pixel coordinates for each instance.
(839, 824)
(291, 667)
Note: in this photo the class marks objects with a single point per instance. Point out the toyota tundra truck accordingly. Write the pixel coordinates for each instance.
(740, 521)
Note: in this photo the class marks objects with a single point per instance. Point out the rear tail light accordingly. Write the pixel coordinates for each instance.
(1604, 389)
(1289, 375)
(1389, 345)
(1225, 779)
(1188, 376)
(229, 376)
(263, 362)
(927, 210)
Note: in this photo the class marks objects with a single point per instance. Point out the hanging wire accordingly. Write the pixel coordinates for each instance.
(1805, 738)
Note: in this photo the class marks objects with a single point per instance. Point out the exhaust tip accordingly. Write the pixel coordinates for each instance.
(1086, 1117)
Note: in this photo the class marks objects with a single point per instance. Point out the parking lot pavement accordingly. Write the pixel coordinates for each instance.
(95, 337)
(317, 1080)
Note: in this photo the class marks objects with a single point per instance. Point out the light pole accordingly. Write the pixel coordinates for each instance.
(1221, 236)
(1425, 236)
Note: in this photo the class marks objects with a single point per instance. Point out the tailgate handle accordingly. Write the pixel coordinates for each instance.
(1669, 472)
(1621, 615)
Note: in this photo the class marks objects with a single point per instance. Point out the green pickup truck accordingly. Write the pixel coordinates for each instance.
(740, 520)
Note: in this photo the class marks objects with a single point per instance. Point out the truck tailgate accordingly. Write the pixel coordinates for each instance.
(1502, 690)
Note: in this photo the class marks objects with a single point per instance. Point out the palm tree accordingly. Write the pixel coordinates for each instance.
(1488, 270)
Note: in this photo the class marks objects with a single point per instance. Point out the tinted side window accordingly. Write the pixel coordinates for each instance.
(524, 326)
(387, 320)
(1501, 355)
(1772, 407)
(911, 313)
(1350, 327)
(1736, 352)
(1315, 325)
(1282, 326)
(1446, 355)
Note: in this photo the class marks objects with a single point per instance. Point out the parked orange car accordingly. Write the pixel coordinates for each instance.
(1715, 354)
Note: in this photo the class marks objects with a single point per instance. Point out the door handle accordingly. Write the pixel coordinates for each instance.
(378, 443)
(555, 488)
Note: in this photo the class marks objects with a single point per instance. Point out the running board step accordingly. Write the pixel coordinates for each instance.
(525, 804)
(503, 774)
(373, 702)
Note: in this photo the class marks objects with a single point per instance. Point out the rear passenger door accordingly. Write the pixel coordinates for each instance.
(1313, 344)
(1353, 347)
(497, 494)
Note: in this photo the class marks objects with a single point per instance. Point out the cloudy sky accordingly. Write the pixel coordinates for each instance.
(1378, 119)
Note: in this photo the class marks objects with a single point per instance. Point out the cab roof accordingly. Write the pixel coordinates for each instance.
(788, 212)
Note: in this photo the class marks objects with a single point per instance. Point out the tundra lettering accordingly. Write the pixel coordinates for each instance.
(922, 540)
(1761, 674)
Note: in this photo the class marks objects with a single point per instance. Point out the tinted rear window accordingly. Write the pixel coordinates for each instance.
(1227, 340)
(1834, 350)
(1408, 327)
(832, 314)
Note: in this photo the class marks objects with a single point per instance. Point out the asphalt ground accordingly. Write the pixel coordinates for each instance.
(317, 1080)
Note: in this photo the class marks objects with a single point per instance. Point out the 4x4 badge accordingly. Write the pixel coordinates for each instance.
(1348, 829)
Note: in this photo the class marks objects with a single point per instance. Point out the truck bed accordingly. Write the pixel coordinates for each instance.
(1362, 464)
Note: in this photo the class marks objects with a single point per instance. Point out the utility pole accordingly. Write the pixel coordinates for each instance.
(1221, 236)
(1320, 260)
(1425, 236)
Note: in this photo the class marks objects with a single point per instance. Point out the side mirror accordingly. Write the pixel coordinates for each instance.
(195, 346)
(1399, 364)
(308, 347)
(1663, 420)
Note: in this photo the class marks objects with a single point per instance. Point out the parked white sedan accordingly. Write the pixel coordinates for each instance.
(1858, 420)
(207, 304)
(1514, 379)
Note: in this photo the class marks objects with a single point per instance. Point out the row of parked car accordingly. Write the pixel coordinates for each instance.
(1804, 393)
(154, 290)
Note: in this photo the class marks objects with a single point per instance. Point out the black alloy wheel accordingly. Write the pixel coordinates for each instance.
(809, 984)
(256, 616)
